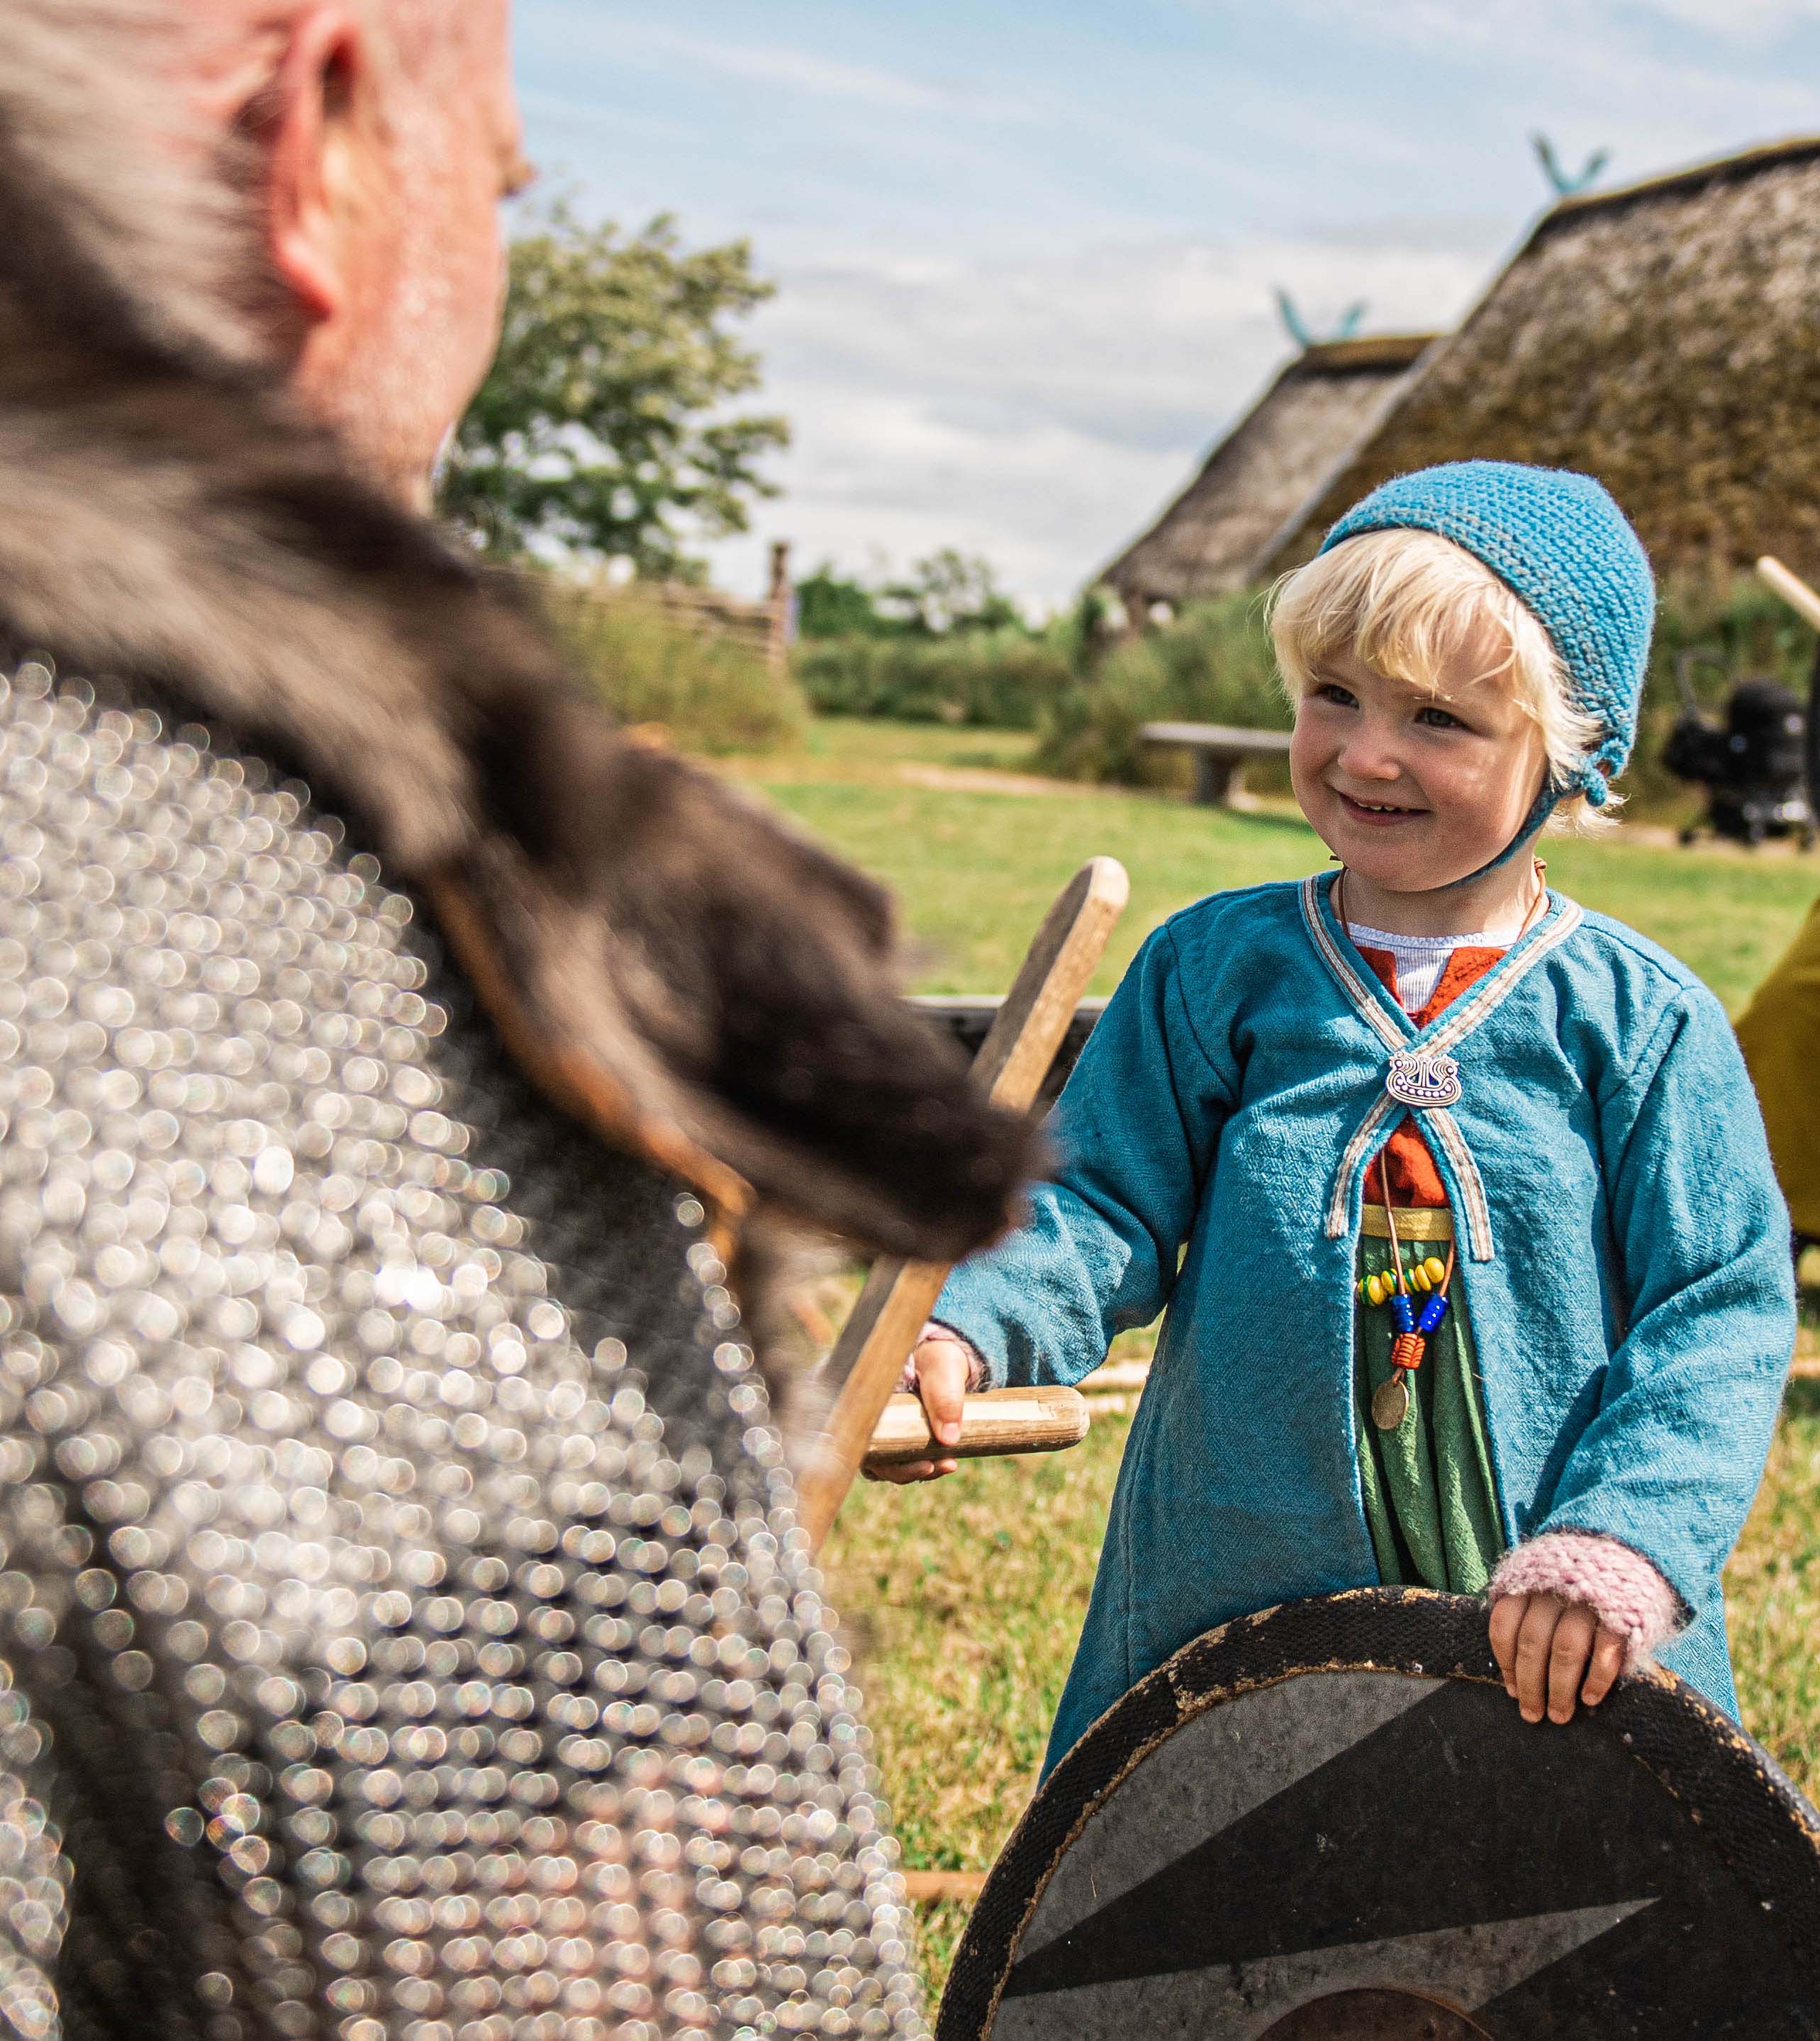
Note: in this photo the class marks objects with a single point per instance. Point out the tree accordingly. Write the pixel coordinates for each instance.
(950, 591)
(827, 605)
(601, 428)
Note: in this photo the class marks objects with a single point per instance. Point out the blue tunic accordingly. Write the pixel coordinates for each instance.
(1624, 1257)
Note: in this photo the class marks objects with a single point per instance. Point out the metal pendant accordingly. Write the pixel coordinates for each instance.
(1422, 1077)
(1390, 1402)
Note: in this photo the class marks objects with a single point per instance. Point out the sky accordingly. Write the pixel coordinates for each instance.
(1025, 249)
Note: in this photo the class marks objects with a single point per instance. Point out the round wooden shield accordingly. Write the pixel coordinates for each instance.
(1330, 1820)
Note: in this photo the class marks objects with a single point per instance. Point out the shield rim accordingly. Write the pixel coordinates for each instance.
(1693, 1748)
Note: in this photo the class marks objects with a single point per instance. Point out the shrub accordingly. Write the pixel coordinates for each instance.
(1212, 664)
(1004, 679)
(712, 694)
(1215, 665)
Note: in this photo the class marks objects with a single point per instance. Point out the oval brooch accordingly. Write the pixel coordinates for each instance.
(1422, 1076)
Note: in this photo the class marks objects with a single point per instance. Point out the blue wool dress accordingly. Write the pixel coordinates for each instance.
(1624, 1254)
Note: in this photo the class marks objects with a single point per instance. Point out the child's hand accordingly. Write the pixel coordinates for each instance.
(943, 1367)
(1544, 1647)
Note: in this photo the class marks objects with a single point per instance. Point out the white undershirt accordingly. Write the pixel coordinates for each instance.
(1420, 960)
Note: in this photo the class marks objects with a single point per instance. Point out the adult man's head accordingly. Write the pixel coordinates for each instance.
(331, 171)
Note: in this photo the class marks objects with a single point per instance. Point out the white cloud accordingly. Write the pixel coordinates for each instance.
(808, 71)
(1041, 412)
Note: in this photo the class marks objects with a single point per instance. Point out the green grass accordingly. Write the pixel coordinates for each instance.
(976, 867)
(966, 1596)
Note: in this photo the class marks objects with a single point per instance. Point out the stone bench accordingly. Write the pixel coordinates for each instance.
(1220, 753)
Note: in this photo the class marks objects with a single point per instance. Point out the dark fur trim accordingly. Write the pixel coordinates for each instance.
(675, 965)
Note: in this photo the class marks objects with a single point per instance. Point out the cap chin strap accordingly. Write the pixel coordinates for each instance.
(1545, 805)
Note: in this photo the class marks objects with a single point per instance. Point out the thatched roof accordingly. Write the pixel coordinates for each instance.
(1664, 336)
(1208, 539)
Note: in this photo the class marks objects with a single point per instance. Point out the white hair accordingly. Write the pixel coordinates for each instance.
(144, 201)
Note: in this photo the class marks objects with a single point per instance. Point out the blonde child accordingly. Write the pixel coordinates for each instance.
(1455, 1196)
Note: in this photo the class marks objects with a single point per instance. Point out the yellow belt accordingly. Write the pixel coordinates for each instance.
(1413, 1222)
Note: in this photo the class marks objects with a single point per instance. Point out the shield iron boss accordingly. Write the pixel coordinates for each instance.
(1330, 1820)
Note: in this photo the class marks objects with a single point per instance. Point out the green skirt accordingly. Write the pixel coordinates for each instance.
(1430, 1496)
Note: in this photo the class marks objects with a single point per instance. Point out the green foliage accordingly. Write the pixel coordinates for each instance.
(712, 694)
(829, 606)
(1213, 664)
(945, 595)
(949, 592)
(1002, 678)
(602, 428)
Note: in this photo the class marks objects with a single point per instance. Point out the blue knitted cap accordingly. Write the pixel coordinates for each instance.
(1559, 541)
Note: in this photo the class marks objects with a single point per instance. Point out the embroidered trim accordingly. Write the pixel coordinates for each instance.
(1389, 1033)
(1453, 1026)
(1352, 1160)
(1471, 1184)
(1426, 1223)
(1465, 1014)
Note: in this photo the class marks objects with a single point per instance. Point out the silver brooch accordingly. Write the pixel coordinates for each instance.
(1422, 1076)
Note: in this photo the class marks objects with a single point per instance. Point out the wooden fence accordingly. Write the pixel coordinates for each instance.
(768, 629)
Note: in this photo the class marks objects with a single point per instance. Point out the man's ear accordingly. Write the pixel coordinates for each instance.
(308, 110)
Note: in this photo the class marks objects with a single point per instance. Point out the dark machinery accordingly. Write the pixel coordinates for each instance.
(1758, 767)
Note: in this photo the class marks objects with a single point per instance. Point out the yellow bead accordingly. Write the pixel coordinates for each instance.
(1436, 1270)
(1376, 1289)
(1419, 1278)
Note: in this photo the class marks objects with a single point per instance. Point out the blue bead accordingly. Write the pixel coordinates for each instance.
(1403, 1312)
(1433, 1312)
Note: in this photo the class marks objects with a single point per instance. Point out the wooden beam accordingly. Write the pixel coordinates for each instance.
(861, 1373)
(1792, 588)
(996, 1424)
(922, 1887)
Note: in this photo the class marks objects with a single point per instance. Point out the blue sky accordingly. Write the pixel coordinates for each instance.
(1025, 252)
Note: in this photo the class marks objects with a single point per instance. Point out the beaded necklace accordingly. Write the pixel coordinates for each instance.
(1429, 1277)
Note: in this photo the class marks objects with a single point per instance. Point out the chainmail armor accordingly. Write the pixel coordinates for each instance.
(405, 1633)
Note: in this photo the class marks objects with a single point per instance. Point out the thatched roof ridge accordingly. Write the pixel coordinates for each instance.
(1665, 337)
(1691, 178)
(1315, 407)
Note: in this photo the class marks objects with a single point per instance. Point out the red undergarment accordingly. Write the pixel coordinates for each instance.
(1413, 1179)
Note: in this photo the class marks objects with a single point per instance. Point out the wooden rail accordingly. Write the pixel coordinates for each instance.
(994, 1424)
(766, 628)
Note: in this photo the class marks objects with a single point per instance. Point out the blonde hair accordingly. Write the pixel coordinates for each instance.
(1408, 603)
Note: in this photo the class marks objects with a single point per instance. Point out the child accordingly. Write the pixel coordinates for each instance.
(1458, 1197)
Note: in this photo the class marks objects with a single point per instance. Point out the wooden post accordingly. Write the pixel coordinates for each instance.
(1792, 588)
(862, 1373)
(779, 600)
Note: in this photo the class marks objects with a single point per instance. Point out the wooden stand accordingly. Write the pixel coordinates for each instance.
(862, 1372)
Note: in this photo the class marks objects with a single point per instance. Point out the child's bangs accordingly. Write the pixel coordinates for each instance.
(1408, 604)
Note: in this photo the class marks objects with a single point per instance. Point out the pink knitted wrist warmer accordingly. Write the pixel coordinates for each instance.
(979, 1376)
(1619, 1586)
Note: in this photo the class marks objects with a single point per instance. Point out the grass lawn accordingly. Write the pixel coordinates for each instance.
(976, 855)
(966, 1596)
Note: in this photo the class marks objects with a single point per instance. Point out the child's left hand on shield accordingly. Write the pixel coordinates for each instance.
(1553, 1653)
